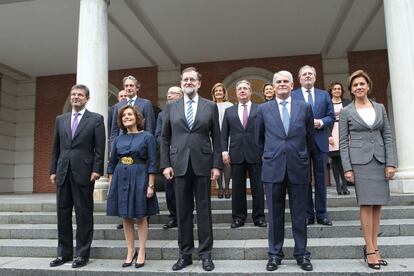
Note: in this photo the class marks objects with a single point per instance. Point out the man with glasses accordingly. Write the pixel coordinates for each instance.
(173, 94)
(191, 152)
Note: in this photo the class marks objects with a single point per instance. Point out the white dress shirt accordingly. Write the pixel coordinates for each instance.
(194, 104)
(288, 105)
(79, 116)
(240, 109)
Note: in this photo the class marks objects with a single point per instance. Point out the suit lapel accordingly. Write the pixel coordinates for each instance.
(274, 110)
(252, 113)
(378, 114)
(181, 112)
(83, 122)
(200, 108)
(236, 117)
(67, 124)
(354, 114)
(294, 110)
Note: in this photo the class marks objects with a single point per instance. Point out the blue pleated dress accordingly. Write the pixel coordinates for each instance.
(127, 196)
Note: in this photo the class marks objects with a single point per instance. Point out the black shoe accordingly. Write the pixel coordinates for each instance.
(181, 263)
(260, 223)
(133, 259)
(60, 261)
(236, 224)
(310, 221)
(341, 193)
(80, 261)
(347, 192)
(207, 264)
(120, 226)
(273, 263)
(375, 266)
(324, 221)
(137, 265)
(220, 194)
(305, 264)
(381, 261)
(170, 224)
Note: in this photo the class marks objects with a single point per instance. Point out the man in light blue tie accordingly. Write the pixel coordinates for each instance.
(284, 135)
(324, 117)
(191, 152)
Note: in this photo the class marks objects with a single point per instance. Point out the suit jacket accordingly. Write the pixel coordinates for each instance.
(242, 146)
(285, 153)
(144, 106)
(159, 128)
(323, 110)
(109, 120)
(359, 143)
(84, 153)
(199, 145)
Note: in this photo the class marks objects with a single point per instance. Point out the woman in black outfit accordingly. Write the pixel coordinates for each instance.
(336, 91)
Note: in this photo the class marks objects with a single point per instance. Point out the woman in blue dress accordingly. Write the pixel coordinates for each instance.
(132, 169)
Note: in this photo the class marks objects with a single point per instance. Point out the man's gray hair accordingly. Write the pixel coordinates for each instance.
(244, 81)
(306, 67)
(283, 73)
(134, 79)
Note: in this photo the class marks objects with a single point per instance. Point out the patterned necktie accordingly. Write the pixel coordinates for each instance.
(75, 123)
(285, 116)
(310, 98)
(130, 102)
(190, 113)
(245, 115)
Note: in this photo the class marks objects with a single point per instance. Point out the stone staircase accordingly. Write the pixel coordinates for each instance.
(28, 241)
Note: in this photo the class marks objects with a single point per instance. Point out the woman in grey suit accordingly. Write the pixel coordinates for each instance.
(367, 153)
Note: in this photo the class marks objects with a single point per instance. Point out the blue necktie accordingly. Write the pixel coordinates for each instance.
(285, 116)
(190, 114)
(310, 98)
(130, 102)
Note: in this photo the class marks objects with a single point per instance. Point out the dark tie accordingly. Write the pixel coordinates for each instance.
(310, 98)
(245, 115)
(190, 114)
(285, 116)
(75, 123)
(130, 102)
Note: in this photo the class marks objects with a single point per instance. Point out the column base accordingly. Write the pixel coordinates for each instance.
(101, 189)
(403, 182)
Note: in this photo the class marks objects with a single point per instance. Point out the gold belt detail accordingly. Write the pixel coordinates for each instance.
(126, 160)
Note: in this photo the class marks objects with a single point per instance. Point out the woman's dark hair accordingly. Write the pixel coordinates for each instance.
(331, 86)
(140, 120)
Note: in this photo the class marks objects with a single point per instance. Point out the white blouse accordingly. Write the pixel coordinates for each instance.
(368, 115)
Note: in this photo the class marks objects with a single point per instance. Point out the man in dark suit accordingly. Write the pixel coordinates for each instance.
(174, 93)
(191, 152)
(131, 86)
(324, 117)
(77, 162)
(243, 155)
(122, 95)
(285, 136)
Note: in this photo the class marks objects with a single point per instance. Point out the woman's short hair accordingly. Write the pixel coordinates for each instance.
(357, 74)
(219, 84)
(331, 86)
(140, 120)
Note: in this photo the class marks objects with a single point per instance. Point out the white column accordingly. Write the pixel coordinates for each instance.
(92, 66)
(399, 22)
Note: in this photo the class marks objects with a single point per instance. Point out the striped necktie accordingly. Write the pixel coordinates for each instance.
(75, 123)
(310, 98)
(190, 114)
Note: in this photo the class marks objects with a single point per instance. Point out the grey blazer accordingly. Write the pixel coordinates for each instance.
(359, 143)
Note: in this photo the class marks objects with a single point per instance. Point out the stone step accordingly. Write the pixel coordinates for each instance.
(351, 267)
(47, 202)
(320, 248)
(340, 229)
(219, 216)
